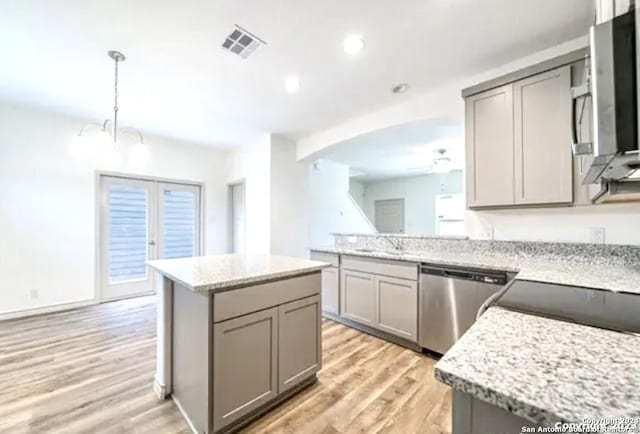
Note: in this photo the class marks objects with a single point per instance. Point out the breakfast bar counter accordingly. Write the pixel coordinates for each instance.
(237, 334)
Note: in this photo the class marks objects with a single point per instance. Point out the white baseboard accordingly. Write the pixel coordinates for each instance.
(46, 309)
(159, 389)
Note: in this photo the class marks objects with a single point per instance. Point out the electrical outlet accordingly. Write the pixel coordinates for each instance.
(487, 233)
(597, 235)
(34, 294)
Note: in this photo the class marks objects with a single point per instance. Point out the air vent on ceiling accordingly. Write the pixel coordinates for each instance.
(242, 42)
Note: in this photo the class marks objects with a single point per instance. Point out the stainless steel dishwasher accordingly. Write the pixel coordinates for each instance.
(449, 301)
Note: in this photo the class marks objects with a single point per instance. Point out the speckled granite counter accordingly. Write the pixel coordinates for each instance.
(613, 268)
(545, 370)
(541, 369)
(208, 274)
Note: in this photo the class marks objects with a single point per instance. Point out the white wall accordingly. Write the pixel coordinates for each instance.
(48, 208)
(419, 194)
(356, 189)
(289, 200)
(252, 163)
(444, 102)
(331, 208)
(565, 224)
(543, 224)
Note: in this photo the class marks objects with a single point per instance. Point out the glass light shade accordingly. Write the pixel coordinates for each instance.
(80, 148)
(139, 155)
(103, 143)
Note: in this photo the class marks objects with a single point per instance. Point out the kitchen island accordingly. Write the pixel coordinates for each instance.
(237, 334)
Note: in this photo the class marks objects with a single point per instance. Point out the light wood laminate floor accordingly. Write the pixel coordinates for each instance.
(90, 370)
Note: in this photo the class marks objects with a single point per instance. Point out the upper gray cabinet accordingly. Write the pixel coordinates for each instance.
(489, 148)
(542, 146)
(518, 142)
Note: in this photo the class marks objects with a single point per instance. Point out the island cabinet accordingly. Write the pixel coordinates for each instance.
(518, 142)
(239, 352)
(380, 294)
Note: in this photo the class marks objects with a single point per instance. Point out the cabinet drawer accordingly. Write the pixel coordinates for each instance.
(332, 258)
(231, 304)
(383, 267)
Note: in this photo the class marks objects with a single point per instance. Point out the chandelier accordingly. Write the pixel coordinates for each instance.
(100, 141)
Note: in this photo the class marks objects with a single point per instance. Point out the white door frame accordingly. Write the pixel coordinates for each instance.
(99, 174)
(230, 185)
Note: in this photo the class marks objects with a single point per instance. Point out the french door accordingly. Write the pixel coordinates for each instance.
(140, 220)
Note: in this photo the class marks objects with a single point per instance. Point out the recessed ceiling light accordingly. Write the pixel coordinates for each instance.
(400, 88)
(292, 84)
(353, 44)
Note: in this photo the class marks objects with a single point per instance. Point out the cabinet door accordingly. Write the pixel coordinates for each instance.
(245, 357)
(543, 156)
(357, 296)
(299, 347)
(489, 148)
(331, 290)
(397, 307)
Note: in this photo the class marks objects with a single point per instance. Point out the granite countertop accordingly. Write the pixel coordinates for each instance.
(545, 370)
(397, 235)
(209, 274)
(601, 273)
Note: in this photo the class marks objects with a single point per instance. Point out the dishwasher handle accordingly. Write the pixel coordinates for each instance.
(495, 278)
(458, 274)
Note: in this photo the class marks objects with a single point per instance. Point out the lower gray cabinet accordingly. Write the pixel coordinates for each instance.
(299, 345)
(396, 303)
(357, 296)
(331, 290)
(245, 365)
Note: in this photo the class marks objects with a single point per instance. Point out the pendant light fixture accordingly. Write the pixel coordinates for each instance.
(101, 141)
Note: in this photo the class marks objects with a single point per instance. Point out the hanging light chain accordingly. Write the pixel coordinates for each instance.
(115, 102)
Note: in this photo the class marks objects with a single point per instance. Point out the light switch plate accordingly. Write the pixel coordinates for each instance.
(597, 235)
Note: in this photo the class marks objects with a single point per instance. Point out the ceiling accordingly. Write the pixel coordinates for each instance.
(178, 82)
(399, 151)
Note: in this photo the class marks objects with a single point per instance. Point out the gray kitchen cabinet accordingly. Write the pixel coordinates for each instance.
(299, 341)
(518, 142)
(245, 355)
(489, 148)
(331, 290)
(330, 281)
(542, 146)
(357, 296)
(396, 302)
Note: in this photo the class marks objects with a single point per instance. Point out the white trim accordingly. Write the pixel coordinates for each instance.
(23, 313)
(159, 389)
(230, 185)
(126, 297)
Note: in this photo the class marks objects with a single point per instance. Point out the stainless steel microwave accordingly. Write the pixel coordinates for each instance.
(615, 100)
